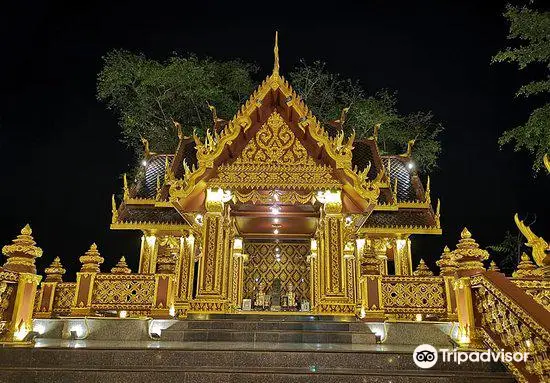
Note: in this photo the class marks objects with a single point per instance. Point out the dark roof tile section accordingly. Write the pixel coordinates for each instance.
(364, 153)
(151, 214)
(402, 217)
(408, 188)
(147, 186)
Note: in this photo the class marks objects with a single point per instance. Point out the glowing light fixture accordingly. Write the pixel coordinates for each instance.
(329, 196)
(349, 220)
(276, 231)
(22, 332)
(198, 219)
(39, 328)
(172, 311)
(144, 162)
(410, 165)
(276, 220)
(123, 314)
(418, 317)
(275, 209)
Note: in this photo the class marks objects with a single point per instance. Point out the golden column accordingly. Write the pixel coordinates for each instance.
(185, 270)
(448, 268)
(54, 275)
(403, 259)
(335, 297)
(469, 258)
(314, 282)
(211, 278)
(85, 281)
(237, 279)
(21, 256)
(148, 253)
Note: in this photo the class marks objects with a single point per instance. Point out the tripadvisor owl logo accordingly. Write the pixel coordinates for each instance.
(425, 356)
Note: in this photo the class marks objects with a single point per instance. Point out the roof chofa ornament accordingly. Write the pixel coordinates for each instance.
(276, 55)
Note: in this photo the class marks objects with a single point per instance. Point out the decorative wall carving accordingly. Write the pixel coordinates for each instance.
(263, 267)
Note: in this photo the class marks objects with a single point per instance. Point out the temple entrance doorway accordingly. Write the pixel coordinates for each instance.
(277, 275)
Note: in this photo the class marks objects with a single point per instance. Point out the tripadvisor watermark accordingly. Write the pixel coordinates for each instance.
(426, 356)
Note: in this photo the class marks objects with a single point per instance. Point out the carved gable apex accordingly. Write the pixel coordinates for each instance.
(274, 158)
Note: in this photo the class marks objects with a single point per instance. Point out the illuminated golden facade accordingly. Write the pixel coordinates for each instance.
(273, 204)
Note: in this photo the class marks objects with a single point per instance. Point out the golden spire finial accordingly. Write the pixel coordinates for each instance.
(54, 273)
(527, 269)
(422, 270)
(22, 253)
(468, 254)
(493, 267)
(546, 160)
(91, 260)
(121, 267)
(276, 54)
(447, 263)
(26, 230)
(126, 189)
(114, 210)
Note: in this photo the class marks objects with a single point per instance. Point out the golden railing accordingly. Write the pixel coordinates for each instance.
(130, 292)
(539, 290)
(63, 299)
(509, 319)
(411, 295)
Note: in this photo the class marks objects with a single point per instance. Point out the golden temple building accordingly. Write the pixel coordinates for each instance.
(275, 215)
(271, 195)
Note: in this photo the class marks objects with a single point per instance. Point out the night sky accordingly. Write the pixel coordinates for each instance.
(60, 151)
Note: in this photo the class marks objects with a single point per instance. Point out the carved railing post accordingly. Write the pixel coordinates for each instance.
(54, 275)
(85, 282)
(448, 268)
(372, 306)
(469, 258)
(21, 256)
(164, 298)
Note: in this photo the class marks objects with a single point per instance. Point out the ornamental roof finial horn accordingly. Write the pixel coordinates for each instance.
(276, 55)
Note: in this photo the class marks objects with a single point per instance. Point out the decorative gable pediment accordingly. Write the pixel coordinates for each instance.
(274, 158)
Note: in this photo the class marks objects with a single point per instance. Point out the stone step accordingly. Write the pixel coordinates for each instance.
(232, 364)
(285, 336)
(249, 325)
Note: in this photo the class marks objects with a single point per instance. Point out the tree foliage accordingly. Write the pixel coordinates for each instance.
(508, 251)
(148, 95)
(530, 30)
(327, 93)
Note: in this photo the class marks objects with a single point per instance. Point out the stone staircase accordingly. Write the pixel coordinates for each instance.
(245, 349)
(232, 364)
(269, 328)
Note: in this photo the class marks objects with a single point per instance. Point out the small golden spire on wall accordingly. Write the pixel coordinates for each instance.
(493, 267)
(527, 269)
(121, 267)
(447, 263)
(422, 270)
(54, 273)
(91, 260)
(21, 254)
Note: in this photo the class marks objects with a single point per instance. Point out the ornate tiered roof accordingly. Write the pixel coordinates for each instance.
(274, 142)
